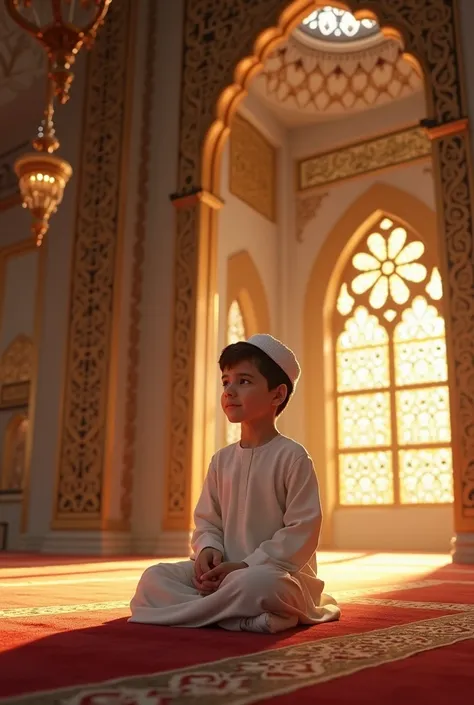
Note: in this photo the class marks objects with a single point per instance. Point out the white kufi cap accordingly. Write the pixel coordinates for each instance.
(279, 353)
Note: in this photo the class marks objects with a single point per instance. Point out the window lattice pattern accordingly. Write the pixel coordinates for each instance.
(366, 478)
(423, 416)
(393, 418)
(362, 353)
(235, 333)
(366, 368)
(363, 420)
(426, 476)
(424, 361)
(420, 345)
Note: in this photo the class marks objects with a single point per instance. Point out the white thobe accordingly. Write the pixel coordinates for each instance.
(260, 506)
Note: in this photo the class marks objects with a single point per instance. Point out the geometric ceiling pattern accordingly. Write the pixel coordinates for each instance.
(319, 81)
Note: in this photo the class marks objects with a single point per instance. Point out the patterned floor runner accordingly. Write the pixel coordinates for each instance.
(402, 630)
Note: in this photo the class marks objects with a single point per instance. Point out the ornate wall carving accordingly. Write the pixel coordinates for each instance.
(453, 167)
(307, 79)
(217, 36)
(16, 372)
(252, 167)
(133, 366)
(364, 157)
(80, 489)
(307, 208)
(16, 363)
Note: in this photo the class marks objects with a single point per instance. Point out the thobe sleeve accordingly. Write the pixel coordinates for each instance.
(208, 517)
(292, 546)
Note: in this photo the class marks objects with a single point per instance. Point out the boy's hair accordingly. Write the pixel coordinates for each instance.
(245, 352)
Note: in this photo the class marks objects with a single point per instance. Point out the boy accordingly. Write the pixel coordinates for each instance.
(258, 518)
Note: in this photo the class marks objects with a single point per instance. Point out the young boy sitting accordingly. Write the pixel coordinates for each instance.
(258, 518)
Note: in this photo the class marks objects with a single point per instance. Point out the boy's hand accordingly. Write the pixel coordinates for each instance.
(211, 580)
(207, 559)
(205, 588)
(219, 572)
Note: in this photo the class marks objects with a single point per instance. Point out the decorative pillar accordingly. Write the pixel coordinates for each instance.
(84, 499)
(454, 189)
(194, 371)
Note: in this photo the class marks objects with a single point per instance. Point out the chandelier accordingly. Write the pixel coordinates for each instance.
(62, 27)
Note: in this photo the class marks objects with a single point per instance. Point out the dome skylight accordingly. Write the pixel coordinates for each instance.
(332, 24)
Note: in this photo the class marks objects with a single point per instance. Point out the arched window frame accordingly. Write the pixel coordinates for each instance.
(320, 298)
(388, 391)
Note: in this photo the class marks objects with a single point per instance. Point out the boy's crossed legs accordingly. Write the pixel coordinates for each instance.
(259, 598)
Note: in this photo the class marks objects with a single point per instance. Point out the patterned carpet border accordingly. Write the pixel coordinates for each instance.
(341, 595)
(249, 679)
(22, 612)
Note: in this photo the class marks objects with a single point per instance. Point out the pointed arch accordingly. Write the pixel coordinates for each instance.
(321, 293)
(287, 19)
(245, 286)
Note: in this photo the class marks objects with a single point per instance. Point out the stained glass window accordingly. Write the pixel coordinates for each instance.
(235, 333)
(393, 417)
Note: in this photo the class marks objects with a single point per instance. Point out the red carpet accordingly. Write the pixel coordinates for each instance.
(65, 625)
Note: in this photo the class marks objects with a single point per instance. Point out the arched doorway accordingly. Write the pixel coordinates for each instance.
(205, 125)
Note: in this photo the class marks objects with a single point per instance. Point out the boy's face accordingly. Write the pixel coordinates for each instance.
(245, 394)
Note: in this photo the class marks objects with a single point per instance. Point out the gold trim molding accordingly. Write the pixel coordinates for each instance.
(436, 132)
(361, 158)
(82, 491)
(225, 46)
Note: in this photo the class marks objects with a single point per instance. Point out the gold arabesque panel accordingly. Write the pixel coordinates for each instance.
(377, 153)
(79, 500)
(16, 363)
(218, 36)
(252, 168)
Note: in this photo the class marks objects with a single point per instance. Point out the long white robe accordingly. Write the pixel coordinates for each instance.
(261, 506)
